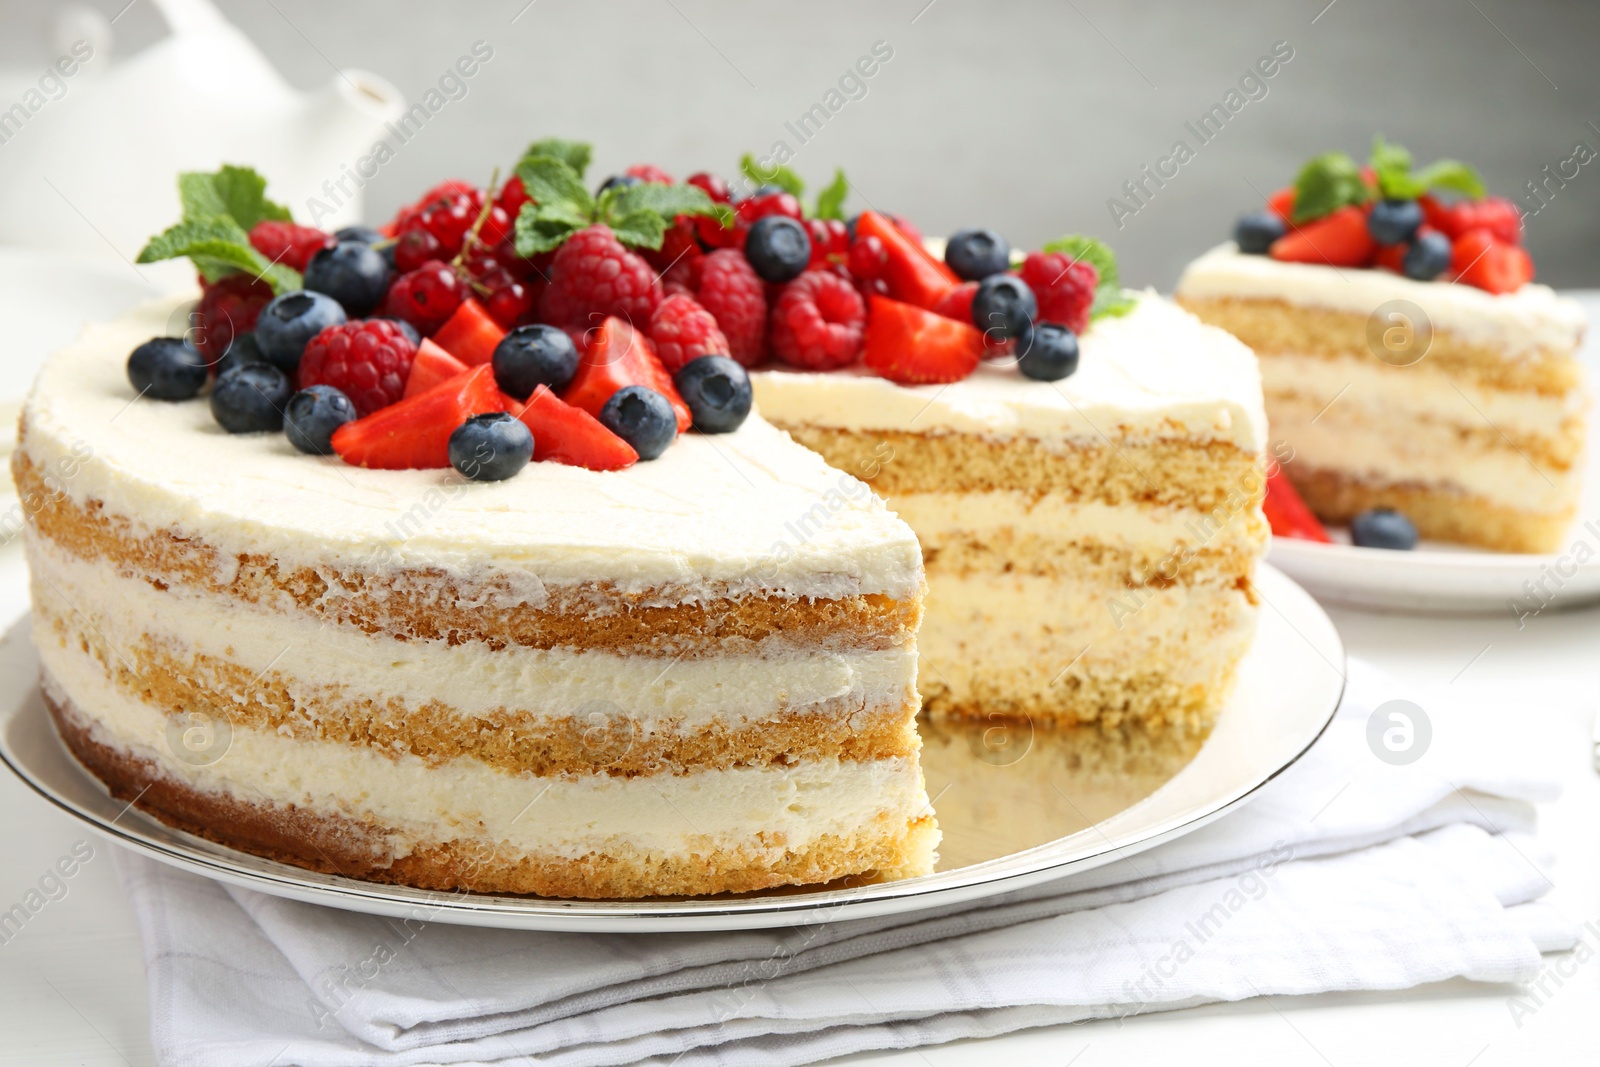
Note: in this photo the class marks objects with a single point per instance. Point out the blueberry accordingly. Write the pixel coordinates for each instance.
(717, 391)
(1048, 352)
(365, 235)
(975, 254)
(778, 248)
(531, 356)
(250, 398)
(642, 417)
(166, 368)
(850, 226)
(1003, 306)
(1427, 257)
(1383, 528)
(767, 190)
(313, 414)
(1393, 221)
(352, 273)
(289, 321)
(1256, 230)
(616, 181)
(243, 350)
(491, 448)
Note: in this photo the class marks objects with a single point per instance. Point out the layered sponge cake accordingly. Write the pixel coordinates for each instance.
(1089, 541)
(571, 682)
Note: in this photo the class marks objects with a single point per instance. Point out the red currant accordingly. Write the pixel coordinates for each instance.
(414, 248)
(512, 196)
(449, 219)
(714, 187)
(426, 297)
(868, 258)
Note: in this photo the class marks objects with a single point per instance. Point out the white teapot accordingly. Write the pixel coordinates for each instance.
(90, 162)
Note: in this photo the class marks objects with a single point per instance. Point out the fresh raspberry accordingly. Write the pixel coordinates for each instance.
(678, 243)
(818, 322)
(728, 287)
(1064, 288)
(649, 173)
(683, 330)
(286, 243)
(426, 297)
(228, 308)
(593, 276)
(366, 361)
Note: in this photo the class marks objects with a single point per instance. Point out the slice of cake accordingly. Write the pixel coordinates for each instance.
(570, 682)
(1409, 362)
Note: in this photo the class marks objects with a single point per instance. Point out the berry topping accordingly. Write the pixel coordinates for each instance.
(614, 356)
(643, 418)
(364, 235)
(1393, 221)
(974, 254)
(243, 350)
(569, 435)
(1256, 230)
(490, 447)
(909, 345)
(1281, 204)
(778, 248)
(1479, 258)
(286, 325)
(867, 258)
(1064, 287)
(415, 433)
(313, 414)
(593, 276)
(415, 248)
(818, 322)
(1048, 352)
(531, 356)
(717, 391)
(711, 185)
(431, 366)
(617, 181)
(1287, 513)
(683, 330)
(286, 243)
(368, 361)
(1003, 307)
(649, 173)
(228, 307)
(470, 334)
(1383, 528)
(830, 243)
(1340, 239)
(426, 297)
(165, 368)
(1496, 214)
(957, 303)
(727, 286)
(914, 276)
(352, 273)
(1427, 257)
(250, 399)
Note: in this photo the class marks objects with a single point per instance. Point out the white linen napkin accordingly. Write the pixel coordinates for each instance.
(1345, 873)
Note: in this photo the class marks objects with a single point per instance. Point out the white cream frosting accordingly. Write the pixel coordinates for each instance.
(1157, 372)
(1529, 320)
(713, 509)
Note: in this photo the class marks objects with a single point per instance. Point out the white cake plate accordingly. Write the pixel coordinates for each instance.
(1439, 578)
(1030, 808)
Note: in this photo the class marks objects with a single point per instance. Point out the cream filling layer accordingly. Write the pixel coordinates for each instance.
(1533, 319)
(464, 799)
(317, 659)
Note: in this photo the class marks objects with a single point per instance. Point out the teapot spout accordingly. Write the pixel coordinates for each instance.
(341, 133)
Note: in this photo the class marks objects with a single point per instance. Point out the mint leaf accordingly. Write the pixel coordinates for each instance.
(535, 235)
(554, 181)
(1453, 175)
(238, 193)
(777, 174)
(1388, 157)
(574, 154)
(1109, 298)
(640, 229)
(1326, 184)
(830, 201)
(218, 244)
(668, 201)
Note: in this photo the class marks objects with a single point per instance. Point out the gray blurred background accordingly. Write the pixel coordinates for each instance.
(1024, 116)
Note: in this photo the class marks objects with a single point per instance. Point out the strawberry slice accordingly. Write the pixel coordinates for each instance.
(565, 434)
(414, 434)
(912, 274)
(909, 345)
(957, 303)
(1391, 257)
(1287, 513)
(1478, 258)
(1340, 239)
(431, 366)
(1281, 203)
(615, 355)
(470, 334)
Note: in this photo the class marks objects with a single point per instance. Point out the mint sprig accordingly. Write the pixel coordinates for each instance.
(776, 174)
(1327, 183)
(218, 212)
(830, 201)
(562, 205)
(574, 154)
(1109, 298)
(1397, 181)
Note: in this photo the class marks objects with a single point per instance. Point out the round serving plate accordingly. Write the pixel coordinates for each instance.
(1018, 804)
(1438, 578)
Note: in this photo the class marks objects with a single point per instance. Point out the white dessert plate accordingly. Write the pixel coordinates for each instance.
(1440, 578)
(1017, 805)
